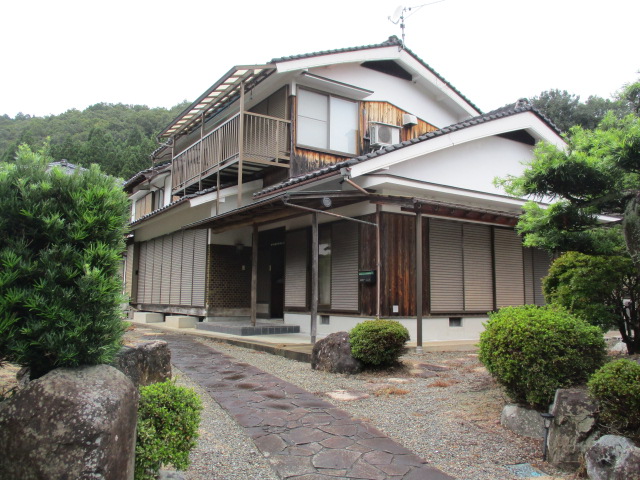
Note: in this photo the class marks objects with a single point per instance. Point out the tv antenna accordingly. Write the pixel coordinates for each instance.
(401, 13)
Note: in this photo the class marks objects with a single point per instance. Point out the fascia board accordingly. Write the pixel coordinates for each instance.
(358, 56)
(248, 188)
(523, 121)
(376, 181)
(420, 70)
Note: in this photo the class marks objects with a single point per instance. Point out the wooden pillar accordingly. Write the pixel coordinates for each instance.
(378, 259)
(314, 276)
(240, 143)
(254, 274)
(419, 287)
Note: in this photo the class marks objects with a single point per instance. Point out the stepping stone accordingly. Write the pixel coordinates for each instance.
(347, 396)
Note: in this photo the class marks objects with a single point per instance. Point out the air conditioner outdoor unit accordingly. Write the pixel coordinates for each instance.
(381, 134)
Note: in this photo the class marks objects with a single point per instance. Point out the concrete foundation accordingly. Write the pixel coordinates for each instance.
(148, 317)
(180, 321)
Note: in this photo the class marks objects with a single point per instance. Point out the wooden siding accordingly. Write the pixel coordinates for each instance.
(447, 266)
(144, 206)
(344, 266)
(385, 112)
(478, 269)
(509, 268)
(399, 265)
(295, 282)
(367, 261)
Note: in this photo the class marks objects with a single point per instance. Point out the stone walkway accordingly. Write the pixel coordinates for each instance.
(304, 437)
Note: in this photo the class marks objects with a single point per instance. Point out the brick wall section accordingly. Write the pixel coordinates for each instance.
(229, 285)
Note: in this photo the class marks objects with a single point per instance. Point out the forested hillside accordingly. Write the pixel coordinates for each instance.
(117, 137)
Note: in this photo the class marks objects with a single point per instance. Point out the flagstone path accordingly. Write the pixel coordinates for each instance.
(303, 436)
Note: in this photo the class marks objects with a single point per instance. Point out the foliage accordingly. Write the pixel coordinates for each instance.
(532, 351)
(603, 290)
(168, 420)
(117, 137)
(616, 386)
(566, 110)
(378, 342)
(597, 174)
(61, 239)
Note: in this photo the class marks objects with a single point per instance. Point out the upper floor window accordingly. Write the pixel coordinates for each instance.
(327, 122)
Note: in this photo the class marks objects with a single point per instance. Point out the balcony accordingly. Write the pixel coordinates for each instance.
(220, 158)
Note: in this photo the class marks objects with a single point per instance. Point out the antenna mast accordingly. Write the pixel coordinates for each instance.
(401, 13)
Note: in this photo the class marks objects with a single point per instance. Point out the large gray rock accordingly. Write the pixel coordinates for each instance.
(333, 354)
(573, 429)
(70, 424)
(522, 421)
(145, 362)
(613, 458)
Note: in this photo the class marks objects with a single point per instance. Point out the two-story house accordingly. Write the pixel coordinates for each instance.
(328, 188)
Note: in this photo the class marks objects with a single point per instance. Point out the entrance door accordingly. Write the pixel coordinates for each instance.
(271, 272)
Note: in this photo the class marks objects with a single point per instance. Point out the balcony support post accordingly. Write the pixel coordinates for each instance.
(201, 152)
(240, 143)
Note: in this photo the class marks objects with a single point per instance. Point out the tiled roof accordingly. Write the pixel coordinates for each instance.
(391, 41)
(144, 174)
(506, 111)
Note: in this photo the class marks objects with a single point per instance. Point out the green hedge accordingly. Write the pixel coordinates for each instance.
(168, 420)
(61, 244)
(378, 342)
(532, 351)
(616, 386)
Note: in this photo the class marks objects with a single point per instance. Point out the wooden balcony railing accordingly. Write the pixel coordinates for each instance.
(265, 142)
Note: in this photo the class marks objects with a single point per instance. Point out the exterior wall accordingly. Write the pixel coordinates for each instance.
(403, 93)
(433, 328)
(473, 165)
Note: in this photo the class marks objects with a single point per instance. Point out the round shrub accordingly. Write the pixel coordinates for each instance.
(616, 386)
(532, 351)
(378, 342)
(167, 429)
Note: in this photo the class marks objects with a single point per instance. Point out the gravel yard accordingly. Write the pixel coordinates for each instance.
(450, 419)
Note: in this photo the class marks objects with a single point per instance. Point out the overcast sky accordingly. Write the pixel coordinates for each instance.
(64, 54)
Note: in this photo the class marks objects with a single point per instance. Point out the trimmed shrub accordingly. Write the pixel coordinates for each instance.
(532, 351)
(378, 342)
(616, 386)
(61, 241)
(168, 420)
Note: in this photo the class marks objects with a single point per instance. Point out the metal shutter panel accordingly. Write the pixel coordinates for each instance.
(509, 268)
(541, 262)
(344, 266)
(157, 270)
(186, 279)
(128, 273)
(165, 285)
(176, 269)
(142, 268)
(295, 275)
(446, 266)
(478, 267)
(148, 273)
(199, 268)
(527, 255)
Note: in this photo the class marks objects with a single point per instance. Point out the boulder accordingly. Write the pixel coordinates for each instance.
(613, 458)
(522, 421)
(145, 362)
(573, 429)
(70, 423)
(333, 354)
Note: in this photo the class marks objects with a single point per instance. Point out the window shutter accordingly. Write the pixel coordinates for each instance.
(344, 266)
(187, 267)
(157, 270)
(446, 266)
(199, 267)
(509, 268)
(478, 268)
(529, 295)
(165, 284)
(295, 278)
(142, 268)
(176, 268)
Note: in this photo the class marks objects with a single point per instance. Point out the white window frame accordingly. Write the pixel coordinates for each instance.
(330, 145)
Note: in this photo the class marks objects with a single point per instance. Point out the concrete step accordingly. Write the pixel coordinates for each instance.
(245, 330)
